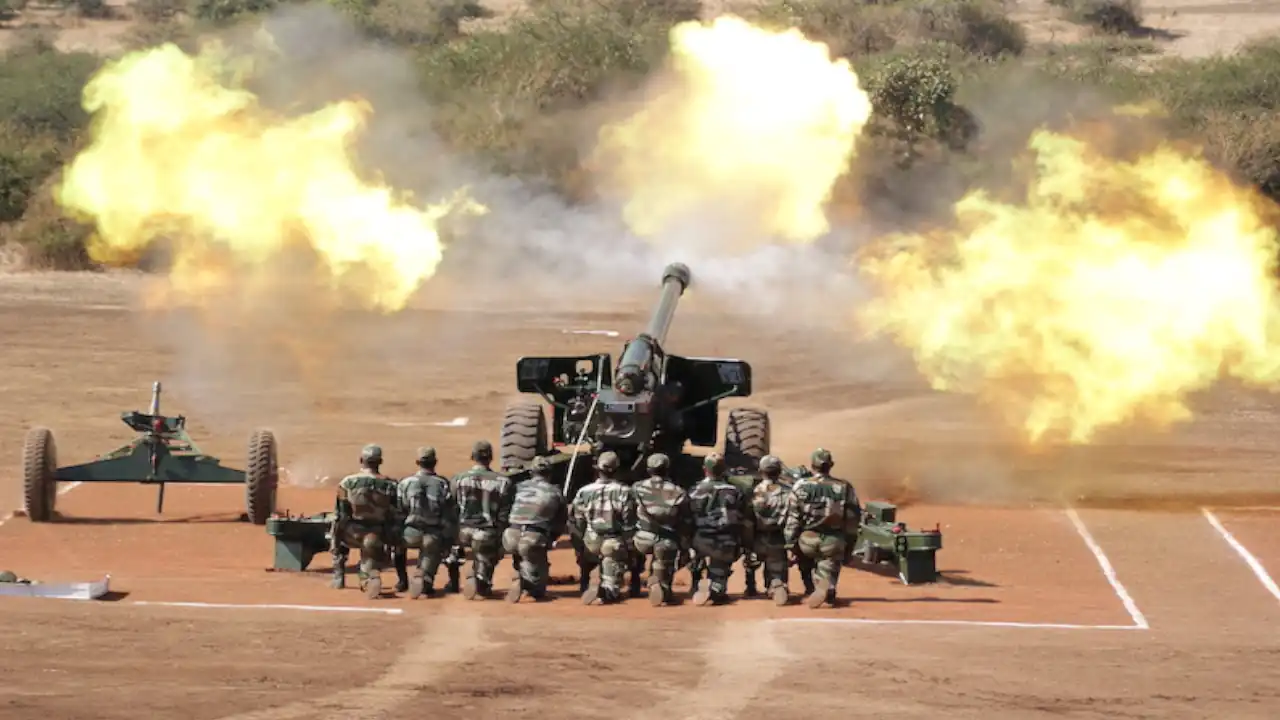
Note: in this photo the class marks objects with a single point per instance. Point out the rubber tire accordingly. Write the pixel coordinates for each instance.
(524, 435)
(261, 478)
(39, 462)
(746, 438)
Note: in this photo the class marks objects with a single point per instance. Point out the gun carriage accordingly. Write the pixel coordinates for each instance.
(161, 454)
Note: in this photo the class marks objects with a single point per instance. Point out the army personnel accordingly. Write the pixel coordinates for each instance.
(770, 501)
(819, 521)
(484, 508)
(605, 514)
(430, 524)
(366, 502)
(663, 526)
(722, 529)
(538, 518)
(510, 468)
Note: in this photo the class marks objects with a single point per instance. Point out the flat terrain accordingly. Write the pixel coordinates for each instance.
(1075, 584)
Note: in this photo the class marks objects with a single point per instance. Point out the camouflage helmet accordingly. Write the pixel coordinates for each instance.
(770, 465)
(821, 460)
(714, 463)
(482, 451)
(371, 454)
(608, 461)
(8, 576)
(658, 463)
(426, 456)
(541, 466)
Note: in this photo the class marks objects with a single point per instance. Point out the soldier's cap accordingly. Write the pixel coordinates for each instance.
(657, 461)
(482, 447)
(8, 576)
(371, 452)
(770, 462)
(608, 460)
(821, 456)
(426, 453)
(713, 461)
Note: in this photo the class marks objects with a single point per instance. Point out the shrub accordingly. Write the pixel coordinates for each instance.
(1117, 17)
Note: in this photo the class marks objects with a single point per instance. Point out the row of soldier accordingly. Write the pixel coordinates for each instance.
(614, 528)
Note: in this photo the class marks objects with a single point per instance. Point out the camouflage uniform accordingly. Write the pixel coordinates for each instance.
(770, 503)
(823, 513)
(366, 513)
(484, 507)
(663, 526)
(430, 523)
(538, 518)
(605, 514)
(723, 526)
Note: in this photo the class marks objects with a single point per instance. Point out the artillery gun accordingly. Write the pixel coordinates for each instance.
(655, 403)
(162, 453)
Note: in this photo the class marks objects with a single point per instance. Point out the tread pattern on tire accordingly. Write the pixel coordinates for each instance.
(746, 438)
(524, 434)
(261, 477)
(39, 489)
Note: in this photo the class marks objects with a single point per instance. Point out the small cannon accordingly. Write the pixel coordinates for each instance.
(162, 453)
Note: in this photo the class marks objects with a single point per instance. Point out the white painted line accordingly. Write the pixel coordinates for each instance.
(606, 333)
(1139, 620)
(68, 488)
(305, 608)
(1242, 551)
(973, 623)
(456, 422)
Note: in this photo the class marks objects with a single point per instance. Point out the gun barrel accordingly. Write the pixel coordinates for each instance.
(155, 398)
(675, 280)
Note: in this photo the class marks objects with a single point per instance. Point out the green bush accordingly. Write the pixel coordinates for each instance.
(1117, 17)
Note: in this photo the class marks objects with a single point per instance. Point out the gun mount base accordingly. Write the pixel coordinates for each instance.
(298, 540)
(882, 540)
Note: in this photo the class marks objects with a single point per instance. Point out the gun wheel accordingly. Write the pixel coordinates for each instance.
(262, 477)
(39, 463)
(746, 438)
(524, 434)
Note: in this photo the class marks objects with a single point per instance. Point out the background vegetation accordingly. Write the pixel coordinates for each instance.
(505, 91)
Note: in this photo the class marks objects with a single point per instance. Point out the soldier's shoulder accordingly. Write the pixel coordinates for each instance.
(352, 479)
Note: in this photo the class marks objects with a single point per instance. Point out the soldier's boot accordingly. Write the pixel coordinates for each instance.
(402, 572)
(590, 594)
(452, 585)
(702, 592)
(474, 588)
(821, 589)
(636, 585)
(752, 590)
(610, 595)
(657, 595)
(516, 590)
(339, 580)
(778, 591)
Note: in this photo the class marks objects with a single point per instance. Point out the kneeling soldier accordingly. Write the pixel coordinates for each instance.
(430, 524)
(538, 518)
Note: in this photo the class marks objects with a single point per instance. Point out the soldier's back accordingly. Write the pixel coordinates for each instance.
(769, 504)
(479, 492)
(537, 502)
(659, 501)
(370, 495)
(717, 506)
(822, 502)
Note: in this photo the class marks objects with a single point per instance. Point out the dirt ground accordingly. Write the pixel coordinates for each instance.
(1132, 604)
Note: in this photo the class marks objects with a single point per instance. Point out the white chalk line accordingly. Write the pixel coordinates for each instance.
(606, 333)
(268, 606)
(960, 623)
(1109, 572)
(1258, 570)
(456, 422)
